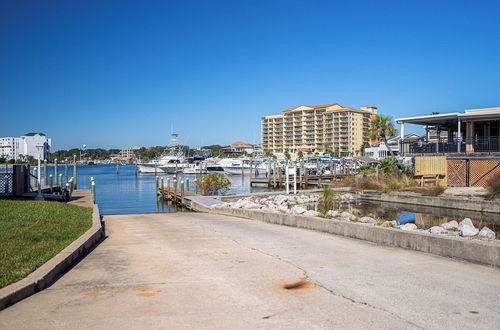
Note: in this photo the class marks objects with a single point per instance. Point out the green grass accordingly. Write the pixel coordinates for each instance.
(32, 232)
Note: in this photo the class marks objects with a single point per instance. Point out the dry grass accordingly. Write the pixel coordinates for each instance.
(385, 183)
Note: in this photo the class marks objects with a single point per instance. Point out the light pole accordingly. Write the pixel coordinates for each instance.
(84, 146)
(39, 196)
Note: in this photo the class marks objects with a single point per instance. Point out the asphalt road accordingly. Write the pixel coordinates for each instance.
(195, 270)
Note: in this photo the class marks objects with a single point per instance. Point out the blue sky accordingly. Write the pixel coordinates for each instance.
(122, 73)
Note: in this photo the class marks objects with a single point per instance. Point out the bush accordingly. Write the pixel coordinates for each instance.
(367, 183)
(326, 200)
(366, 169)
(385, 183)
(214, 183)
(493, 186)
(389, 166)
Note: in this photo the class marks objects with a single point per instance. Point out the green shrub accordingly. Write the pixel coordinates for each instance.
(214, 183)
(389, 166)
(326, 200)
(366, 169)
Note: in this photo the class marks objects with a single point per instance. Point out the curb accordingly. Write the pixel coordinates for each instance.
(482, 252)
(50, 271)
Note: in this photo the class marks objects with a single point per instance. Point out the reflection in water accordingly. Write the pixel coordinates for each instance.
(425, 219)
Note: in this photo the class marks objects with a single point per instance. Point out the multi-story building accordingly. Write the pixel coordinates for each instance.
(24, 146)
(320, 128)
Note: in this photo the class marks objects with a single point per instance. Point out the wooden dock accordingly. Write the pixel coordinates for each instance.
(177, 196)
(302, 181)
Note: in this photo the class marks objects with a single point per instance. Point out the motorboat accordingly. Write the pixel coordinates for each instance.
(237, 166)
(171, 161)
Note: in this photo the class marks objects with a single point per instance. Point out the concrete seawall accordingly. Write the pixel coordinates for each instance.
(50, 271)
(459, 203)
(477, 251)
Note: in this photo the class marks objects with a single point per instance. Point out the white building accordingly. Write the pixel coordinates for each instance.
(380, 151)
(19, 148)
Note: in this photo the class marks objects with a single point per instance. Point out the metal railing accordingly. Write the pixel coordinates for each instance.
(489, 144)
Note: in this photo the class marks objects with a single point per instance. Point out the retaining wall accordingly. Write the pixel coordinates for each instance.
(461, 203)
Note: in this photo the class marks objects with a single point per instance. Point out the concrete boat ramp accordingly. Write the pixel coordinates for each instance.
(198, 270)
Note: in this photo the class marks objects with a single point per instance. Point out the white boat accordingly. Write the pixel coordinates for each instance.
(171, 161)
(193, 169)
(235, 166)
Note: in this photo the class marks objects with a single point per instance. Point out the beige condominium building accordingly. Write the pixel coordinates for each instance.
(323, 128)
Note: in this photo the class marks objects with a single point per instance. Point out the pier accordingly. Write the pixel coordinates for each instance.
(303, 181)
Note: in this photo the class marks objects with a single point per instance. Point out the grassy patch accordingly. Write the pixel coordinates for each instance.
(32, 232)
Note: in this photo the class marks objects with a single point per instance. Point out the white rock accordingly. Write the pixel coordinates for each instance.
(348, 216)
(298, 210)
(280, 199)
(452, 225)
(465, 222)
(487, 233)
(438, 230)
(311, 213)
(252, 206)
(282, 208)
(467, 229)
(368, 220)
(333, 213)
(408, 226)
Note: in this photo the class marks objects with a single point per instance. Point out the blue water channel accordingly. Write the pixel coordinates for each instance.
(121, 190)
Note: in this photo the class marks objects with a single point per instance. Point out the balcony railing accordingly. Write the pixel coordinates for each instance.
(490, 144)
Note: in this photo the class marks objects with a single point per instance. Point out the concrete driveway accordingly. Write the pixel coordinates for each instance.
(195, 270)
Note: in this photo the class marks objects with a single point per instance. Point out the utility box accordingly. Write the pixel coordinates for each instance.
(21, 179)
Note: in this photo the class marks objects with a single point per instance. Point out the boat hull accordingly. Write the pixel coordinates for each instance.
(149, 168)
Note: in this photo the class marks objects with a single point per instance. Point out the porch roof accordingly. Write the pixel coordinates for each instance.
(449, 119)
(445, 119)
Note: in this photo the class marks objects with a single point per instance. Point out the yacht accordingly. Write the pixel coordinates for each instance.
(237, 166)
(171, 161)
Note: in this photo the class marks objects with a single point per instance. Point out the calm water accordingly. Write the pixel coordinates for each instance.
(127, 192)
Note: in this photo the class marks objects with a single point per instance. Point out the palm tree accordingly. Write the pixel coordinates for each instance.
(382, 128)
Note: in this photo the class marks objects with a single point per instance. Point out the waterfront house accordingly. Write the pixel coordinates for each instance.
(476, 131)
(457, 149)
(379, 150)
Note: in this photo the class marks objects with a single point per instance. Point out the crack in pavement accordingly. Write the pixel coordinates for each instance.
(306, 276)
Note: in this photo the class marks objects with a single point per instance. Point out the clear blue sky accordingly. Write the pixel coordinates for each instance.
(121, 73)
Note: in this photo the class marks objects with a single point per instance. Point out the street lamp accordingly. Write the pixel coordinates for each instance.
(84, 146)
(39, 196)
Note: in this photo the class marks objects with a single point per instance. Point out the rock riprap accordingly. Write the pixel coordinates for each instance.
(305, 205)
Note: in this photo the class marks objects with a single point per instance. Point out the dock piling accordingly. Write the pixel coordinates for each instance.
(45, 176)
(75, 182)
(56, 170)
(50, 182)
(66, 171)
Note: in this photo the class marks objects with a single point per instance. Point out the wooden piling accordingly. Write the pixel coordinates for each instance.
(75, 182)
(56, 170)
